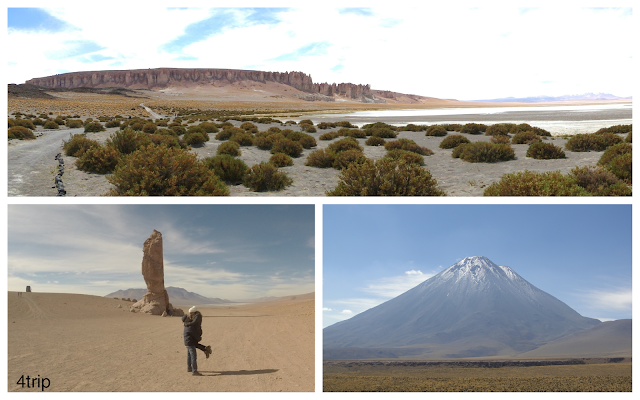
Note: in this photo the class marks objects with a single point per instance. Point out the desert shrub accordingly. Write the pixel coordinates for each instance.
(265, 142)
(599, 182)
(307, 141)
(386, 177)
(100, 159)
(209, 127)
(375, 141)
(290, 122)
(413, 128)
(136, 125)
(500, 139)
(436, 130)
(194, 129)
(544, 151)
(628, 138)
(457, 151)
(320, 159)
(305, 122)
(226, 133)
(266, 177)
(592, 142)
(51, 124)
(354, 133)
(242, 138)
(529, 183)
(345, 124)
(166, 132)
(227, 168)
(345, 158)
(452, 127)
(326, 125)
(163, 171)
(621, 166)
(230, 148)
(484, 152)
(499, 129)
(162, 122)
(281, 160)
(93, 127)
(408, 156)
(288, 147)
(149, 127)
(59, 120)
(382, 132)
(37, 121)
(249, 127)
(77, 145)
(128, 141)
(377, 125)
(453, 141)
(344, 144)
(540, 131)
(179, 129)
(408, 145)
(109, 124)
(196, 138)
(165, 140)
(615, 129)
(614, 151)
(525, 137)
(74, 123)
(307, 128)
(27, 123)
(329, 136)
(20, 132)
(473, 128)
(274, 129)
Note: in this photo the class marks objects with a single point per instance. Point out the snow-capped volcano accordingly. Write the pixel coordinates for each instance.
(474, 307)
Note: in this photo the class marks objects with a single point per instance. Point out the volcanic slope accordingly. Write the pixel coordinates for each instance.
(474, 308)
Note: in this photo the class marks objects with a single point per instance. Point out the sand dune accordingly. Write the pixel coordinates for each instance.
(87, 343)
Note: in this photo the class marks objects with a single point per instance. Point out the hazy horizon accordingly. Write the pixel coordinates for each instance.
(448, 52)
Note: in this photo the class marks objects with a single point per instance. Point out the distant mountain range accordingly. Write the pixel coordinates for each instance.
(544, 99)
(176, 296)
(474, 308)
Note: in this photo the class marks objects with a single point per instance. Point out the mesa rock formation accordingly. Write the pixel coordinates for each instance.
(158, 78)
(156, 300)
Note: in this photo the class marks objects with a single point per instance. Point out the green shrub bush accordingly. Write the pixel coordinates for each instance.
(408, 145)
(525, 137)
(149, 127)
(453, 141)
(345, 124)
(499, 129)
(473, 128)
(382, 132)
(109, 124)
(27, 123)
(529, 183)
(128, 141)
(592, 142)
(414, 128)
(375, 141)
(599, 182)
(408, 156)
(281, 160)
(208, 127)
(249, 127)
(386, 177)
(329, 136)
(230, 148)
(37, 122)
(544, 151)
(265, 142)
(500, 139)
(163, 171)
(77, 145)
(51, 124)
(227, 168)
(99, 159)
(179, 130)
(436, 130)
(484, 152)
(615, 129)
(344, 144)
(452, 127)
(354, 133)
(288, 147)
(242, 138)
(347, 157)
(196, 138)
(266, 177)
(614, 151)
(136, 125)
(320, 159)
(93, 127)
(74, 123)
(20, 132)
(628, 138)
(165, 140)
(621, 166)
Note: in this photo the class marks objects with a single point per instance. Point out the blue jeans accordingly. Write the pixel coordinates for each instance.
(192, 358)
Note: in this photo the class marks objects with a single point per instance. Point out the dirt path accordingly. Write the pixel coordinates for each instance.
(32, 164)
(88, 343)
(154, 114)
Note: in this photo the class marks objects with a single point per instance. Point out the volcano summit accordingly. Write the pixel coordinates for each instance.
(474, 308)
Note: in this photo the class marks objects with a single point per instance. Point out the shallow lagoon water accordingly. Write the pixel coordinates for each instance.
(559, 120)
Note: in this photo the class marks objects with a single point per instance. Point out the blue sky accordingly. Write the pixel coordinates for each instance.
(225, 251)
(441, 51)
(581, 254)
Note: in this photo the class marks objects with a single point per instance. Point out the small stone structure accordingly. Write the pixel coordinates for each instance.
(156, 300)
(28, 289)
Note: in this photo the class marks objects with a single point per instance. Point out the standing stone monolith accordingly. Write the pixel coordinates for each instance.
(156, 300)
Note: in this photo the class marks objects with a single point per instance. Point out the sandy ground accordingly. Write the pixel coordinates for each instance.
(86, 343)
(456, 177)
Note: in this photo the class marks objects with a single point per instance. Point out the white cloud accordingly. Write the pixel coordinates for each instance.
(347, 312)
(389, 287)
(326, 309)
(615, 300)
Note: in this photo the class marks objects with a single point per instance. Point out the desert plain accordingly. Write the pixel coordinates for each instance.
(84, 343)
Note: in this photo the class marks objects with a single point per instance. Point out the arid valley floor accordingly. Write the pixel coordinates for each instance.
(94, 344)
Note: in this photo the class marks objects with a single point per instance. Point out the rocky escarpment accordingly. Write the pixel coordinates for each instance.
(164, 77)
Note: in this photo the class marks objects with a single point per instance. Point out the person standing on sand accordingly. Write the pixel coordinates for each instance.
(192, 336)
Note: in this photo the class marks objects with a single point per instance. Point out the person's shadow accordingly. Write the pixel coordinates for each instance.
(240, 372)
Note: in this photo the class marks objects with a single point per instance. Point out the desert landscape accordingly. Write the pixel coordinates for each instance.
(263, 106)
(95, 344)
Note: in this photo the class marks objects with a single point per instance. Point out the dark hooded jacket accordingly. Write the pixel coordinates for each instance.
(192, 329)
